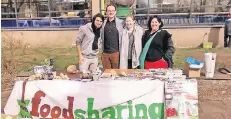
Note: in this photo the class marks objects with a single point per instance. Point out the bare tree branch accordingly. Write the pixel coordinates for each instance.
(19, 5)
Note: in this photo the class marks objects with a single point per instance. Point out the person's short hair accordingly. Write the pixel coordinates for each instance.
(158, 19)
(132, 16)
(111, 4)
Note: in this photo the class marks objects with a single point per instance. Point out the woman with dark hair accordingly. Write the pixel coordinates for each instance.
(87, 44)
(157, 46)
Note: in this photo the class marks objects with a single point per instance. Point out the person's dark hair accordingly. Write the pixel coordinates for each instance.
(111, 4)
(96, 31)
(93, 21)
(158, 19)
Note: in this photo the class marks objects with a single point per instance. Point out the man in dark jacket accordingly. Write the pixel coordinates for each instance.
(227, 39)
(111, 38)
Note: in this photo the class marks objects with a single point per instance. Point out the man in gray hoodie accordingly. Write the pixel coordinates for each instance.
(227, 40)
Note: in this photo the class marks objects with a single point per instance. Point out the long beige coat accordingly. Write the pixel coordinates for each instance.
(138, 33)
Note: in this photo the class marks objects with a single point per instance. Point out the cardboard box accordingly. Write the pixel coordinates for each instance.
(191, 72)
(6, 116)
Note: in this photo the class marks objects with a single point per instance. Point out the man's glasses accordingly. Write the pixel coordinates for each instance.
(110, 10)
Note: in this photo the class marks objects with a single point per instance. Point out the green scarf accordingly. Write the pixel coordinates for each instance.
(145, 50)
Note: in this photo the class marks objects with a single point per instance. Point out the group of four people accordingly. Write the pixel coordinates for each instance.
(123, 47)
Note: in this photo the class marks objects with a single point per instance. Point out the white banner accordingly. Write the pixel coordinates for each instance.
(99, 99)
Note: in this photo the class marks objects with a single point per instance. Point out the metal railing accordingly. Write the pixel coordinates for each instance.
(74, 22)
(184, 19)
(44, 14)
(53, 19)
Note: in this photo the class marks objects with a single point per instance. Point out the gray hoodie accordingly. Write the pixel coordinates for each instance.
(85, 38)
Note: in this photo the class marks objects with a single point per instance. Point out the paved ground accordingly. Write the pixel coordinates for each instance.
(215, 109)
(215, 99)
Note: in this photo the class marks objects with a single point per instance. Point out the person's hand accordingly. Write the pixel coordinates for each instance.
(80, 59)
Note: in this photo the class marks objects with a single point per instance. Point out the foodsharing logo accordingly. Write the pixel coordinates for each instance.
(23, 109)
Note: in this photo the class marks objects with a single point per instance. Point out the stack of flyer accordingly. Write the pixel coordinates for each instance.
(168, 74)
(181, 99)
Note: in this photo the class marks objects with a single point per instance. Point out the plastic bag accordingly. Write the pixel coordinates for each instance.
(193, 63)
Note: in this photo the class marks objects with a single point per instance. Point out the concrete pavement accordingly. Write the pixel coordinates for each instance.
(214, 109)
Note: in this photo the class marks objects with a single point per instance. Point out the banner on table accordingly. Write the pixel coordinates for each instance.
(98, 100)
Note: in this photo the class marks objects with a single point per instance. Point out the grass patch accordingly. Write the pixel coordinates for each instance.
(198, 53)
(68, 56)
